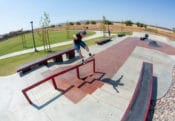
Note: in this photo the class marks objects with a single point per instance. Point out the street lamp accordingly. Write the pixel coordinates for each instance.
(33, 37)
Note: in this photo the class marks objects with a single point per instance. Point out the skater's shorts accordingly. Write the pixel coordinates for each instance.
(77, 45)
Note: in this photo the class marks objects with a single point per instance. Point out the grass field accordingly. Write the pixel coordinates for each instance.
(8, 66)
(15, 44)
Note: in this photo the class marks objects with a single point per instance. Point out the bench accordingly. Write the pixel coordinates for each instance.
(138, 107)
(57, 57)
(101, 42)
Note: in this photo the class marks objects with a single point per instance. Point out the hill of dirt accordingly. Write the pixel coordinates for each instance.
(118, 27)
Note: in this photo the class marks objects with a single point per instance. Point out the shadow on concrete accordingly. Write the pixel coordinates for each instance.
(102, 74)
(21, 74)
(50, 100)
(153, 100)
(93, 79)
(39, 107)
(114, 83)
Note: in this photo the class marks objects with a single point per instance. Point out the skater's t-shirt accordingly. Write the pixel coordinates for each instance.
(79, 38)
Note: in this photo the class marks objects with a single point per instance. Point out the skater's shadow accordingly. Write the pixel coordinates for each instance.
(114, 83)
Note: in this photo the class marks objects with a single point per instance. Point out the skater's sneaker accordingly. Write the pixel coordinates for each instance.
(90, 54)
(83, 61)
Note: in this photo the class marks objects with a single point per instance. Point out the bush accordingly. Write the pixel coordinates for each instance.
(87, 22)
(128, 23)
(145, 26)
(93, 22)
(107, 22)
(71, 23)
(52, 26)
(138, 24)
(78, 23)
(173, 29)
(141, 25)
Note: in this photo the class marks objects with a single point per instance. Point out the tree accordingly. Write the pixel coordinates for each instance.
(78, 23)
(145, 26)
(103, 25)
(93, 22)
(138, 24)
(44, 35)
(128, 23)
(71, 23)
(87, 22)
(67, 29)
(141, 25)
(23, 38)
(107, 22)
(174, 29)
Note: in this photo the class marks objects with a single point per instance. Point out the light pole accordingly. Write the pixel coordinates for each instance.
(33, 37)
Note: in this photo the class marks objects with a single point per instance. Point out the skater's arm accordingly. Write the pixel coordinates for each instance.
(75, 37)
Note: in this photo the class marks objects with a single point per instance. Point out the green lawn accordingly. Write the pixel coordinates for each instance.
(15, 43)
(8, 66)
(125, 33)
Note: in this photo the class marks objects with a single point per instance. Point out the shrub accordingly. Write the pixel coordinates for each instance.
(128, 23)
(87, 22)
(109, 22)
(138, 24)
(78, 23)
(52, 26)
(141, 25)
(71, 23)
(145, 26)
(173, 29)
(93, 22)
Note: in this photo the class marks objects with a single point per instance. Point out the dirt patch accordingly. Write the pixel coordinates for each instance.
(118, 27)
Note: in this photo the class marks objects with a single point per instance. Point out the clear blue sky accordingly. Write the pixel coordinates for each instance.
(17, 14)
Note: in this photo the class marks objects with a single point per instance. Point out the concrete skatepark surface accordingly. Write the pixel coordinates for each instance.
(103, 100)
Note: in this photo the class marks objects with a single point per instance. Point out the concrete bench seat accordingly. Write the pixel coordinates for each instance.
(57, 57)
(101, 42)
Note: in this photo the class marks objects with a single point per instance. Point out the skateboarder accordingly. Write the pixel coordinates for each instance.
(78, 42)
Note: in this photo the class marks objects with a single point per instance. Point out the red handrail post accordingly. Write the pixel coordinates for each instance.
(78, 74)
(54, 83)
(26, 96)
(94, 65)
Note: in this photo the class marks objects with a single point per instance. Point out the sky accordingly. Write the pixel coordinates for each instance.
(17, 14)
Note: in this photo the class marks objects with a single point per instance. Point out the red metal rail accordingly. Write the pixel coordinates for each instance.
(52, 77)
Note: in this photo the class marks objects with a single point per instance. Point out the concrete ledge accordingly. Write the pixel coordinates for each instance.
(139, 105)
(101, 42)
(57, 57)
